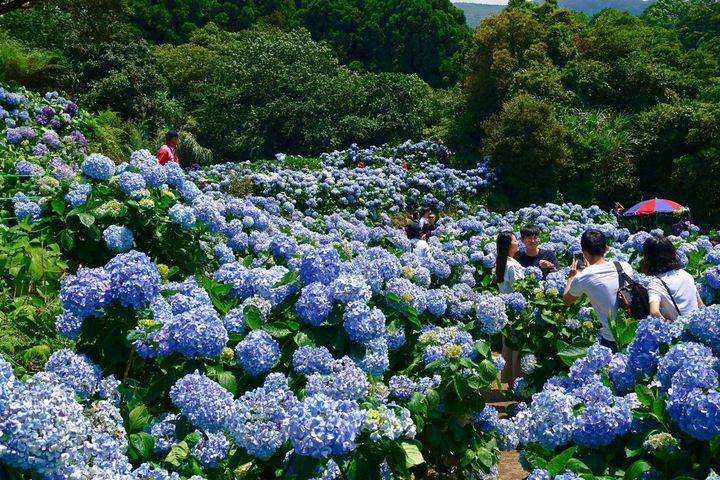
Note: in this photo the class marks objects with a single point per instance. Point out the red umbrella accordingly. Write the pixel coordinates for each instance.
(656, 205)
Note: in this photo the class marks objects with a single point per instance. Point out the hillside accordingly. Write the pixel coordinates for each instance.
(474, 12)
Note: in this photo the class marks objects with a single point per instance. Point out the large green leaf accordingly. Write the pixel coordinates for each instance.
(138, 418)
(637, 469)
(558, 464)
(412, 454)
(86, 219)
(253, 317)
(143, 443)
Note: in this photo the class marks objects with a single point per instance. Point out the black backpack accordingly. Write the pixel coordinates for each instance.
(632, 297)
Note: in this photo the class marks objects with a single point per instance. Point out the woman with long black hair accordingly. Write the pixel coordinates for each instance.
(507, 269)
(672, 291)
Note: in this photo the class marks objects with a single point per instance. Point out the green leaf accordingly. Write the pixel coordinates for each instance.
(143, 443)
(228, 381)
(645, 395)
(253, 317)
(302, 339)
(66, 240)
(487, 371)
(637, 469)
(138, 418)
(178, 454)
(485, 456)
(535, 455)
(412, 454)
(86, 219)
(558, 464)
(571, 353)
(58, 206)
(417, 404)
(277, 329)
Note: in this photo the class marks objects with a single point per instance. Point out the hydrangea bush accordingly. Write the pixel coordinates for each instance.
(288, 329)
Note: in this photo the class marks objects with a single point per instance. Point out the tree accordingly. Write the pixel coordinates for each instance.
(272, 92)
(601, 163)
(528, 148)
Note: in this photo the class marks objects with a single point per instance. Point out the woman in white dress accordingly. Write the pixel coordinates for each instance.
(672, 291)
(508, 269)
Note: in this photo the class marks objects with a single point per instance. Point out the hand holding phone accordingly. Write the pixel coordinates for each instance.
(580, 262)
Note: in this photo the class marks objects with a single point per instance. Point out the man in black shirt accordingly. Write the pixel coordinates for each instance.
(534, 256)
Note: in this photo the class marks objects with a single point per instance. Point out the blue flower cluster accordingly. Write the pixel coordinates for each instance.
(321, 426)
(205, 403)
(257, 352)
(490, 311)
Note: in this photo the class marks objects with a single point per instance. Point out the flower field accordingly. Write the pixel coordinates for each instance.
(269, 320)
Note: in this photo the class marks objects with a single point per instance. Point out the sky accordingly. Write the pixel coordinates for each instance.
(485, 2)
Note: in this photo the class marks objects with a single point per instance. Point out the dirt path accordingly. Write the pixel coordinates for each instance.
(509, 467)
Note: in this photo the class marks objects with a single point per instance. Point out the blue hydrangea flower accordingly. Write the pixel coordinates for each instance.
(135, 279)
(86, 291)
(516, 301)
(553, 419)
(163, 432)
(401, 387)
(704, 323)
(197, 332)
(688, 353)
(27, 210)
(320, 265)
(154, 174)
(205, 403)
(644, 350)
(118, 238)
(320, 426)
(75, 371)
(211, 448)
(259, 422)
(361, 323)
(346, 381)
(347, 288)
(308, 360)
(130, 182)
(78, 194)
(98, 167)
(490, 311)
(26, 168)
(622, 376)
(182, 215)
(314, 304)
(539, 474)
(712, 277)
(257, 352)
(487, 420)
(528, 363)
(43, 426)
(234, 321)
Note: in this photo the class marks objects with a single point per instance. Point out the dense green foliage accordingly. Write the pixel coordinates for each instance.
(625, 97)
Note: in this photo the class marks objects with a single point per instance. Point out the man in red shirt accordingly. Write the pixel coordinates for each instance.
(167, 153)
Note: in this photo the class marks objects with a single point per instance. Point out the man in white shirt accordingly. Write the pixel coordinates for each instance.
(420, 247)
(599, 280)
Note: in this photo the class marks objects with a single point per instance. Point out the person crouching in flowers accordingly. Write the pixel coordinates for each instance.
(167, 152)
(672, 291)
(508, 270)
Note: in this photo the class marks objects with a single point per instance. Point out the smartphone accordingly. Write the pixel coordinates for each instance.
(580, 260)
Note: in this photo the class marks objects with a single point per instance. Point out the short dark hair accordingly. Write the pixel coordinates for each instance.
(529, 231)
(659, 256)
(171, 134)
(413, 230)
(594, 242)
